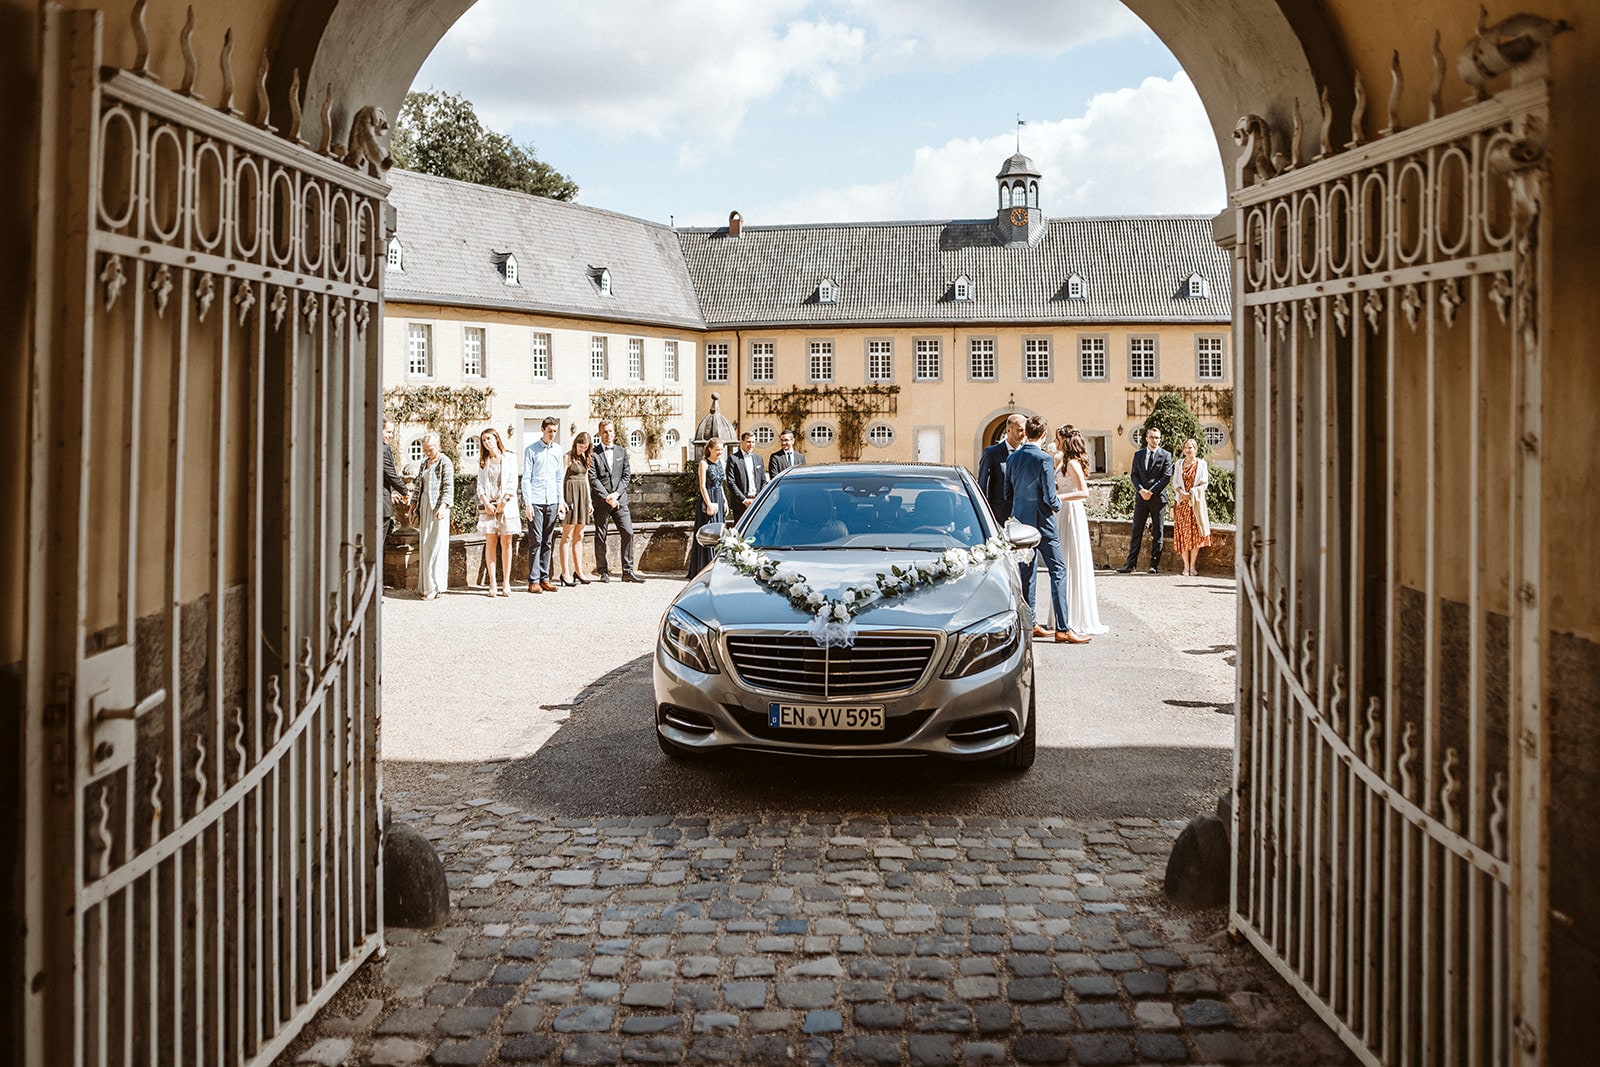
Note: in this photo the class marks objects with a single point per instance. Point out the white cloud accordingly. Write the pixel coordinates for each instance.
(953, 31)
(1138, 151)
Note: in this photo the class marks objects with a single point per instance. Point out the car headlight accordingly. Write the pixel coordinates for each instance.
(984, 644)
(688, 640)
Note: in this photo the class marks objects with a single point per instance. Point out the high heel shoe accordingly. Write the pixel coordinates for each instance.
(568, 582)
(581, 579)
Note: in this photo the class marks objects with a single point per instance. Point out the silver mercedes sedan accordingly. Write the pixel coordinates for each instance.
(857, 610)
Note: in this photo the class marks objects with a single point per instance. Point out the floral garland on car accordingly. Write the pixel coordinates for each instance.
(833, 617)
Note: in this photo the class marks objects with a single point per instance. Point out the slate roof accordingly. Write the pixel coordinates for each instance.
(903, 273)
(454, 234)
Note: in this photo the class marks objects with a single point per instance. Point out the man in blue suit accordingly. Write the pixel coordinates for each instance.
(992, 468)
(1152, 470)
(1031, 474)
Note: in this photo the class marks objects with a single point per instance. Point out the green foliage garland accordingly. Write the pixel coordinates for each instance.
(854, 405)
(447, 410)
(651, 407)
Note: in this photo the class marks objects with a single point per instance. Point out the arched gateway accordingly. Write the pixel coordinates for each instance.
(189, 624)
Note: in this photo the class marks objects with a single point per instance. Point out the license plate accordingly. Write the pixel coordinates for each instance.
(824, 717)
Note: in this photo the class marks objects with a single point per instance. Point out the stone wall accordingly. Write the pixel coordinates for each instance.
(1111, 536)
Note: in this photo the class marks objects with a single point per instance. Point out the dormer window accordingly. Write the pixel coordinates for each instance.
(827, 292)
(602, 279)
(962, 289)
(1075, 289)
(1194, 288)
(507, 264)
(397, 256)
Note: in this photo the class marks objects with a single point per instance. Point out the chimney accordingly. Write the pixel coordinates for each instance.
(735, 223)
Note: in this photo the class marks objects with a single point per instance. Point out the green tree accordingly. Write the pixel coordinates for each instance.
(1177, 424)
(440, 133)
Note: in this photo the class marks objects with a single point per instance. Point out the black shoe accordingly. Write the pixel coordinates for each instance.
(1153, 570)
(633, 578)
(1125, 570)
(603, 578)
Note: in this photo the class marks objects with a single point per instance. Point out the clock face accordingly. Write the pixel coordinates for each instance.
(1019, 216)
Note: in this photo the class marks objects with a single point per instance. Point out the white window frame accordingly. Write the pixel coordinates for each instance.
(603, 280)
(764, 434)
(636, 439)
(1076, 289)
(469, 335)
(880, 359)
(717, 368)
(819, 361)
(508, 270)
(670, 437)
(929, 355)
(962, 289)
(1093, 346)
(827, 292)
(395, 257)
(1221, 431)
(599, 357)
(1141, 347)
(1195, 288)
(669, 360)
(419, 335)
(636, 359)
(469, 449)
(1202, 357)
(883, 429)
(823, 430)
(414, 452)
(985, 349)
(1038, 361)
(763, 361)
(539, 366)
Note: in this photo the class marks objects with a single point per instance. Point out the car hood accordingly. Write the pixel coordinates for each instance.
(723, 597)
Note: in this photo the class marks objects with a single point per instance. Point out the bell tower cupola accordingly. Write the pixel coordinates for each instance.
(1017, 215)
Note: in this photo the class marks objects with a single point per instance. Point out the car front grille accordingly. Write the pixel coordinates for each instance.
(793, 665)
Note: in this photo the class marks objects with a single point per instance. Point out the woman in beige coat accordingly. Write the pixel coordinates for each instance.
(1191, 525)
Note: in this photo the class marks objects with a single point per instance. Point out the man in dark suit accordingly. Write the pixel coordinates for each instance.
(394, 488)
(608, 487)
(785, 457)
(746, 475)
(992, 469)
(1032, 475)
(1152, 470)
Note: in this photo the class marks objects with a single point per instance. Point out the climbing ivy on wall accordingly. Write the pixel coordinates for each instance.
(651, 408)
(447, 410)
(853, 405)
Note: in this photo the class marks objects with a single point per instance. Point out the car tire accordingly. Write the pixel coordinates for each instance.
(1020, 757)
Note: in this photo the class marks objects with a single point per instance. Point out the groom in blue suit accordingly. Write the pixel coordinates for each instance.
(1031, 476)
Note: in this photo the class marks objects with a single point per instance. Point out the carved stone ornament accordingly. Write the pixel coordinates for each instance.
(336, 315)
(1358, 116)
(1261, 319)
(113, 279)
(1252, 134)
(1397, 84)
(362, 317)
(1509, 44)
(205, 293)
(161, 289)
(190, 64)
(1341, 314)
(1282, 318)
(1325, 136)
(362, 148)
(1449, 300)
(311, 308)
(1309, 313)
(244, 300)
(1411, 304)
(1372, 307)
(279, 305)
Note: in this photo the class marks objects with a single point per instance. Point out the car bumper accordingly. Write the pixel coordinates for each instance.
(974, 717)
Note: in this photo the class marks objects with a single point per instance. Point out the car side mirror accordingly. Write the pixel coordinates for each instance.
(1021, 535)
(711, 533)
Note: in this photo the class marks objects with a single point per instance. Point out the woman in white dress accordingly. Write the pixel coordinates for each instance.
(435, 493)
(1072, 486)
(498, 517)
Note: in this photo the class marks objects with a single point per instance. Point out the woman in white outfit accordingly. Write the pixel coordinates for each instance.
(436, 491)
(1072, 486)
(499, 519)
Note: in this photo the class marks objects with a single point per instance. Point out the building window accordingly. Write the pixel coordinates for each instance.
(397, 256)
(1216, 436)
(962, 290)
(602, 279)
(827, 292)
(419, 350)
(1194, 287)
(1075, 288)
(717, 361)
(980, 359)
(636, 359)
(880, 361)
(881, 434)
(929, 359)
(821, 435)
(508, 268)
(763, 361)
(1208, 358)
(764, 435)
(820, 365)
(469, 449)
(669, 360)
(472, 352)
(1099, 449)
(415, 451)
(670, 438)
(1036, 359)
(1142, 358)
(541, 357)
(1092, 358)
(599, 359)
(635, 438)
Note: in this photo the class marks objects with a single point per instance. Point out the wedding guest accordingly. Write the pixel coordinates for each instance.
(1191, 523)
(394, 486)
(992, 468)
(436, 491)
(542, 505)
(1072, 486)
(709, 505)
(747, 473)
(498, 520)
(1152, 471)
(580, 511)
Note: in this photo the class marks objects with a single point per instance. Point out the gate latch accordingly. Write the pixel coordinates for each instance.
(111, 714)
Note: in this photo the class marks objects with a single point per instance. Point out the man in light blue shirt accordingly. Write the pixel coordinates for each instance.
(543, 465)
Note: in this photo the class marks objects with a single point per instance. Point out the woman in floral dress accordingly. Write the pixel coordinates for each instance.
(1191, 525)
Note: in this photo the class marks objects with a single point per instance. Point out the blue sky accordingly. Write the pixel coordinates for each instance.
(836, 110)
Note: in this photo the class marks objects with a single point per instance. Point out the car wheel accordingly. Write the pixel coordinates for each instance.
(1021, 755)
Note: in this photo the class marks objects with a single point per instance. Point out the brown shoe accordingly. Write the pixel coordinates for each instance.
(549, 587)
(1068, 637)
(533, 587)
(1040, 631)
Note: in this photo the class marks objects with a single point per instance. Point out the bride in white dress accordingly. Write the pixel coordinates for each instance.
(1072, 486)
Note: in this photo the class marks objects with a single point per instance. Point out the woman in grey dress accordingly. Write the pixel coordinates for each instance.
(436, 492)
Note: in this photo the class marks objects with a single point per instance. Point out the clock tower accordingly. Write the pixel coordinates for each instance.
(1018, 219)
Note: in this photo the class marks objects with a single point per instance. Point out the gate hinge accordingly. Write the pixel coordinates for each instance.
(58, 735)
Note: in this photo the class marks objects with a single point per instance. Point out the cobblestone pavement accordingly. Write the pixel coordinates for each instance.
(812, 939)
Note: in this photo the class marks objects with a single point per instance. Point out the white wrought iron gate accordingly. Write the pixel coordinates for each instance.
(1389, 738)
(207, 853)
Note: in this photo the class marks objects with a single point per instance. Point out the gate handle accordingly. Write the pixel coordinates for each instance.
(149, 703)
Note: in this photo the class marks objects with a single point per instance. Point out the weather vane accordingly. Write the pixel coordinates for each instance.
(1021, 122)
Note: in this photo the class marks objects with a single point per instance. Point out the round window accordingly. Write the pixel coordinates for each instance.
(469, 449)
(1216, 436)
(821, 435)
(670, 438)
(765, 435)
(415, 451)
(635, 438)
(881, 434)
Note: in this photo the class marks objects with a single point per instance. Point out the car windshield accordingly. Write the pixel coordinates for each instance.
(865, 511)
